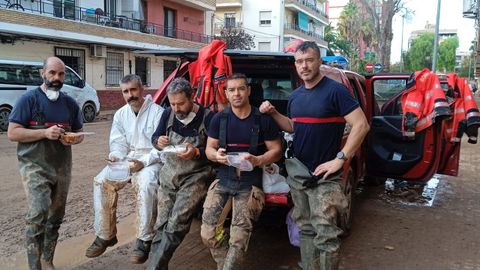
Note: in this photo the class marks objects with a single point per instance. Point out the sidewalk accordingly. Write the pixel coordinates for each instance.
(105, 115)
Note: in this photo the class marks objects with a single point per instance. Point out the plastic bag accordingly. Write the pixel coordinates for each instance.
(118, 172)
(273, 181)
(293, 230)
(237, 160)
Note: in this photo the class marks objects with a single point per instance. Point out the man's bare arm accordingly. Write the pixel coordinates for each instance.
(285, 123)
(18, 133)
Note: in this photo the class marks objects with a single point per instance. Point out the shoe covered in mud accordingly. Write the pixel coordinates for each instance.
(99, 246)
(140, 252)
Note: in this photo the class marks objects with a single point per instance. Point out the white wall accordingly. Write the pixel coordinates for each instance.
(251, 22)
(94, 66)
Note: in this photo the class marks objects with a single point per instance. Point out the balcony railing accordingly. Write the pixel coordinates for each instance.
(220, 26)
(67, 10)
(296, 27)
(311, 6)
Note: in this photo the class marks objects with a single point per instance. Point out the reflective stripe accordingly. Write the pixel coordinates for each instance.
(460, 110)
(472, 114)
(50, 124)
(409, 133)
(441, 104)
(455, 139)
(429, 94)
(468, 98)
(241, 144)
(449, 130)
(413, 104)
(317, 120)
(472, 138)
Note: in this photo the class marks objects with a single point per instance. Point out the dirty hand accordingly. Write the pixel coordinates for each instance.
(252, 159)
(189, 152)
(329, 167)
(267, 107)
(162, 142)
(54, 133)
(135, 165)
(221, 156)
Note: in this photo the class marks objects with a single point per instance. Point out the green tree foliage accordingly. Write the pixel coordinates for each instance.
(236, 38)
(446, 54)
(335, 43)
(468, 67)
(420, 54)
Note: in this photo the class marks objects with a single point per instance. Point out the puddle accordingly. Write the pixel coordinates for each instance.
(411, 193)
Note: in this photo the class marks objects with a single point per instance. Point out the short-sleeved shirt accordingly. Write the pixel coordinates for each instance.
(64, 110)
(316, 143)
(239, 132)
(189, 130)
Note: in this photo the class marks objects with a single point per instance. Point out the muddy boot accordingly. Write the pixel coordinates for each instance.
(34, 252)
(140, 252)
(309, 253)
(328, 260)
(48, 252)
(48, 265)
(234, 259)
(162, 250)
(218, 255)
(99, 246)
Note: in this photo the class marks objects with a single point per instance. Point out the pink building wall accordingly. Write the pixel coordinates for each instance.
(187, 18)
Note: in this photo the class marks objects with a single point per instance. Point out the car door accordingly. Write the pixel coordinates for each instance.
(70, 86)
(389, 154)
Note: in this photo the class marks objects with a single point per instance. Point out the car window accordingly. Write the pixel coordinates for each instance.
(385, 89)
(273, 88)
(20, 74)
(71, 78)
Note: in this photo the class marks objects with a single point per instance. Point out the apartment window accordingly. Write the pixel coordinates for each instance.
(73, 58)
(229, 20)
(264, 46)
(142, 69)
(114, 68)
(110, 8)
(169, 23)
(168, 68)
(265, 18)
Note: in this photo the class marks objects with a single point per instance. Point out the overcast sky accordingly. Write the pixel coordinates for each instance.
(451, 17)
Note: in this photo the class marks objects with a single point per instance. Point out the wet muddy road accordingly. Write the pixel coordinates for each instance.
(390, 231)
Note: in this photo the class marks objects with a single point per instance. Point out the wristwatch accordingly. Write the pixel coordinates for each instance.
(342, 156)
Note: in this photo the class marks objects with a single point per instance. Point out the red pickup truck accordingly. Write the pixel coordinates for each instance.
(384, 153)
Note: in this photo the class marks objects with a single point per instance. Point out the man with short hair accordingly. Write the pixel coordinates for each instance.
(38, 122)
(186, 173)
(317, 113)
(239, 128)
(132, 127)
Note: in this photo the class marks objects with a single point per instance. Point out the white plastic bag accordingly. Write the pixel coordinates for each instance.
(273, 181)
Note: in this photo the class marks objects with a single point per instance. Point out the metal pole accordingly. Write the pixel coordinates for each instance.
(470, 67)
(401, 46)
(435, 44)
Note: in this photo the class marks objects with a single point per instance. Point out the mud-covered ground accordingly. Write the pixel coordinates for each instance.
(389, 232)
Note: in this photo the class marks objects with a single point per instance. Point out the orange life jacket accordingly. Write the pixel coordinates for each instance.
(466, 117)
(423, 103)
(209, 73)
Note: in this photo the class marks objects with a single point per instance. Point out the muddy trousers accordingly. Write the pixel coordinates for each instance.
(105, 196)
(247, 205)
(46, 199)
(316, 212)
(176, 208)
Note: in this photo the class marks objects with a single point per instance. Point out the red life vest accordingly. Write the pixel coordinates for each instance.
(209, 73)
(466, 117)
(423, 103)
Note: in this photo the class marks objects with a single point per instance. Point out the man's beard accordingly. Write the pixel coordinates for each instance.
(53, 85)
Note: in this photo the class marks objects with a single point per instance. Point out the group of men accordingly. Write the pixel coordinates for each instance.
(169, 190)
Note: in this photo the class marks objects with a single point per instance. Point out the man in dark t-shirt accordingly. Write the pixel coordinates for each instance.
(38, 123)
(317, 113)
(255, 140)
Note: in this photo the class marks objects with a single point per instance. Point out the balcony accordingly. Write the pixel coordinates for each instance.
(69, 11)
(307, 8)
(295, 31)
(229, 3)
(219, 26)
(207, 5)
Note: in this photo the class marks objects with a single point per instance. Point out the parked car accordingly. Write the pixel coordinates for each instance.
(16, 77)
(384, 154)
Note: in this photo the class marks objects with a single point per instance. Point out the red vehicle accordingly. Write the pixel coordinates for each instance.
(384, 154)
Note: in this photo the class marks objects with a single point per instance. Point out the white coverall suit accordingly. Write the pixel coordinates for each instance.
(130, 139)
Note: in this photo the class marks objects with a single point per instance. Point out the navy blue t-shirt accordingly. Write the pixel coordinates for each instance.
(316, 143)
(64, 110)
(239, 132)
(189, 130)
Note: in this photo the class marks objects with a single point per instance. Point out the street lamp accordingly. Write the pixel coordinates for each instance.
(435, 44)
(401, 44)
